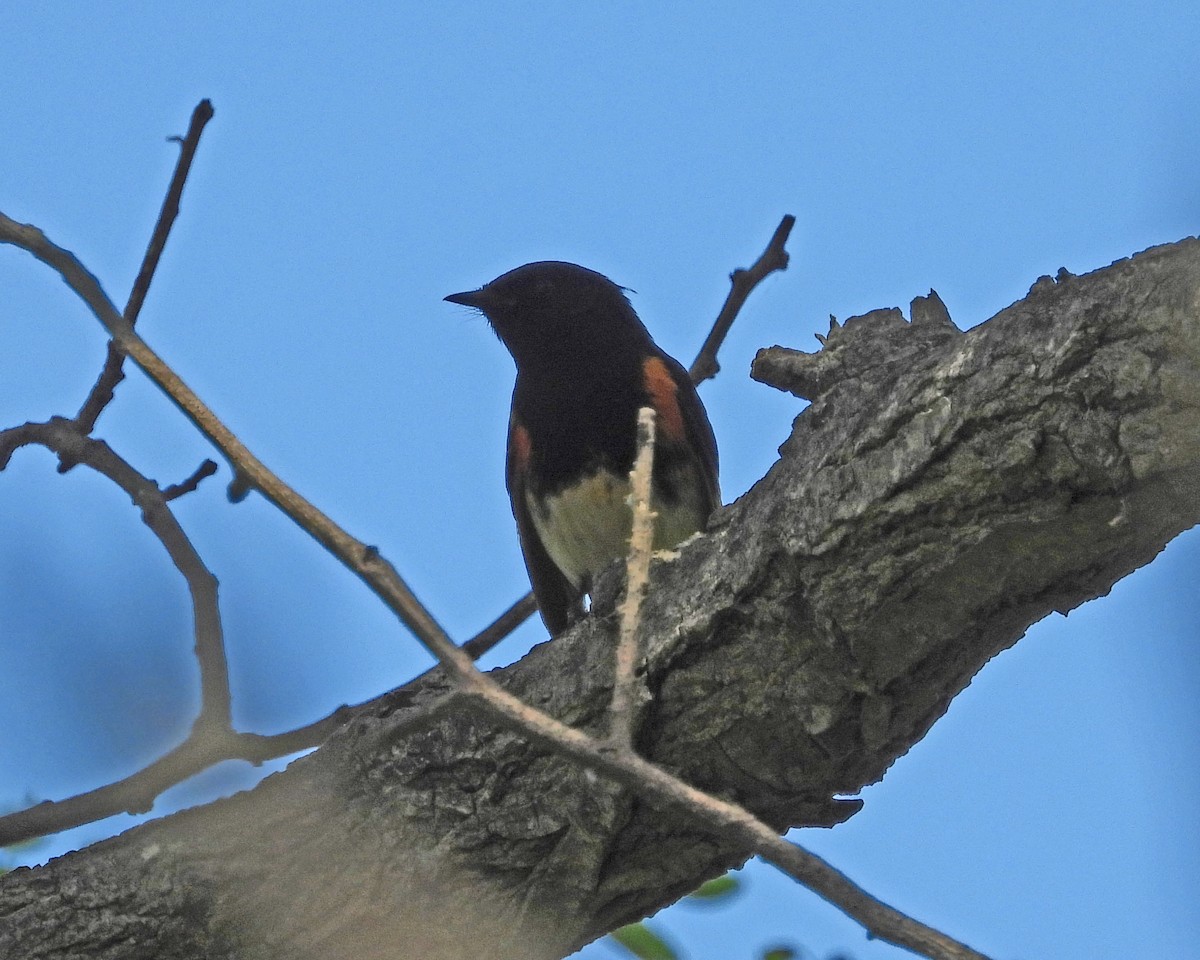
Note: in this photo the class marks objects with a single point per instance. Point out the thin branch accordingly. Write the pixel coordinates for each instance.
(359, 557)
(628, 769)
(501, 627)
(112, 374)
(729, 820)
(207, 747)
(201, 750)
(177, 490)
(208, 744)
(64, 438)
(629, 692)
(773, 258)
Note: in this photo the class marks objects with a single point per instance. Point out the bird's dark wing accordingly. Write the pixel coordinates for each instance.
(683, 425)
(558, 602)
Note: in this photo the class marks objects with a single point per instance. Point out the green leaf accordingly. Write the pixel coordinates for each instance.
(716, 889)
(643, 943)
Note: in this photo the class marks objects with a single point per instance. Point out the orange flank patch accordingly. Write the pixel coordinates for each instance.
(663, 395)
(518, 445)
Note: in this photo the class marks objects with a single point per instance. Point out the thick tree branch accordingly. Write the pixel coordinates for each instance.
(944, 491)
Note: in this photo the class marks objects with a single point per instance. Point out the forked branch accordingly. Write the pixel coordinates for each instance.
(112, 374)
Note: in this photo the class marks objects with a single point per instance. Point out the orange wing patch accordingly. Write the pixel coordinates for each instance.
(518, 446)
(662, 390)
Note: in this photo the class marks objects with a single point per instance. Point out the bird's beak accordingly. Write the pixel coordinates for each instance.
(472, 298)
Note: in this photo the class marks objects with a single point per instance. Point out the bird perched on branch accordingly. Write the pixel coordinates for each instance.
(585, 365)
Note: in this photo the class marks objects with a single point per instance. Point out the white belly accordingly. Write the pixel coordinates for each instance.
(586, 528)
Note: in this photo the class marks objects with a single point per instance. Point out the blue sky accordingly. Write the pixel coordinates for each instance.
(365, 162)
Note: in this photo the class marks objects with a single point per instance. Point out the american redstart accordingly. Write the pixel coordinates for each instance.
(585, 365)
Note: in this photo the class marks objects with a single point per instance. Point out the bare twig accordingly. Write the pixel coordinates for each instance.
(112, 374)
(731, 821)
(176, 490)
(356, 555)
(201, 750)
(723, 818)
(773, 258)
(206, 747)
(239, 487)
(64, 438)
(628, 690)
(209, 743)
(501, 627)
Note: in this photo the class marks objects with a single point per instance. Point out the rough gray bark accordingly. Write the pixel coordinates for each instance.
(943, 492)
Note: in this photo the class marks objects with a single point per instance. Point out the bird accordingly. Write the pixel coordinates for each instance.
(585, 364)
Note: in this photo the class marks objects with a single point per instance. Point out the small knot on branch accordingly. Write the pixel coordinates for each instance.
(239, 487)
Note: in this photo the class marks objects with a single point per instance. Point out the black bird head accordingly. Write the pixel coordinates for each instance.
(543, 310)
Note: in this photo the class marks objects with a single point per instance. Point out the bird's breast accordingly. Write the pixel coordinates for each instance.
(586, 526)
